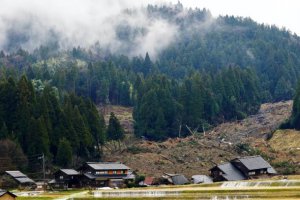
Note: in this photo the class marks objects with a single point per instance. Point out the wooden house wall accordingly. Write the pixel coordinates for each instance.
(7, 197)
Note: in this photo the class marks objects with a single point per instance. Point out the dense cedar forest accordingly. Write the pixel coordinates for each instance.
(217, 69)
(294, 121)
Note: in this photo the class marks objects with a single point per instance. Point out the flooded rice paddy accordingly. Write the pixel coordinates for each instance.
(250, 190)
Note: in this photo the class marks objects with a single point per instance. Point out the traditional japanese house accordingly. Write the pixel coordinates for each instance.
(226, 172)
(249, 167)
(253, 166)
(66, 178)
(6, 195)
(100, 174)
(21, 179)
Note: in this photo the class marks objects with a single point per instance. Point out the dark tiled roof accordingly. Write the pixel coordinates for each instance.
(89, 176)
(230, 172)
(15, 174)
(108, 166)
(254, 162)
(70, 171)
(179, 180)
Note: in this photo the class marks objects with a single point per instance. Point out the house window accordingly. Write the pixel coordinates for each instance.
(101, 172)
(61, 177)
(114, 172)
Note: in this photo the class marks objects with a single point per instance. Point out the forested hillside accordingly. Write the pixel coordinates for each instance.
(42, 122)
(294, 121)
(214, 70)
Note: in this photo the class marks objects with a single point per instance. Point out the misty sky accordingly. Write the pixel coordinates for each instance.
(283, 13)
(83, 22)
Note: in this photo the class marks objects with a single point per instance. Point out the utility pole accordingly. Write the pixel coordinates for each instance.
(44, 173)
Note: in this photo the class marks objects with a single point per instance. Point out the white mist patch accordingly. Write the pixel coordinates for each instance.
(160, 34)
(250, 54)
(32, 23)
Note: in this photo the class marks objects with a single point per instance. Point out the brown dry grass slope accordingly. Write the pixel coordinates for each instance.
(196, 154)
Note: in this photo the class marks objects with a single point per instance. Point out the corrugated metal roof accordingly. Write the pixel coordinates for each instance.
(130, 175)
(201, 179)
(24, 180)
(108, 166)
(271, 170)
(254, 162)
(230, 172)
(70, 171)
(15, 174)
(52, 181)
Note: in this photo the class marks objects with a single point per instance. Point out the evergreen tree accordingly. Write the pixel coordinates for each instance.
(38, 139)
(295, 118)
(114, 130)
(147, 65)
(3, 132)
(81, 129)
(26, 105)
(64, 153)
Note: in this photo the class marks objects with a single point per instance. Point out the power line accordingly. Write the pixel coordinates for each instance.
(36, 156)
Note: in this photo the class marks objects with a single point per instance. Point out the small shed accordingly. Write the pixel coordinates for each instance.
(6, 195)
(197, 179)
(147, 182)
(21, 179)
(176, 179)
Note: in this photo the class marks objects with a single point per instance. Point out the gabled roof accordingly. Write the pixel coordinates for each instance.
(271, 170)
(107, 166)
(24, 180)
(179, 179)
(149, 180)
(90, 176)
(201, 179)
(230, 172)
(70, 172)
(15, 174)
(254, 162)
(176, 179)
(130, 175)
(3, 192)
(19, 177)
